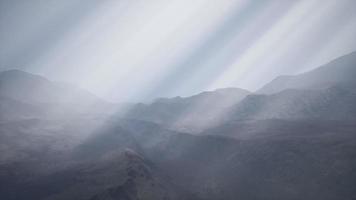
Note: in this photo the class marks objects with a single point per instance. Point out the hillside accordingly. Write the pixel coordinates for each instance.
(338, 71)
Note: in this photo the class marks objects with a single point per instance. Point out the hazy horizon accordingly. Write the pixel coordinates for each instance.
(177, 100)
(138, 51)
(157, 97)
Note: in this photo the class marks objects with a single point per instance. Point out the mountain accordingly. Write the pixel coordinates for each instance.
(282, 128)
(327, 92)
(109, 162)
(120, 175)
(293, 165)
(334, 103)
(268, 160)
(228, 144)
(190, 114)
(132, 159)
(25, 95)
(12, 109)
(340, 70)
(30, 88)
(142, 182)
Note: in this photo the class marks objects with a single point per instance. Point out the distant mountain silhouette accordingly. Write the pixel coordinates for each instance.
(25, 95)
(334, 103)
(340, 70)
(30, 88)
(328, 92)
(189, 113)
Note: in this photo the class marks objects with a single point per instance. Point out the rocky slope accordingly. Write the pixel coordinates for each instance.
(340, 70)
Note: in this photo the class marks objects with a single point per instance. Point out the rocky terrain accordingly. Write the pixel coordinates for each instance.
(290, 140)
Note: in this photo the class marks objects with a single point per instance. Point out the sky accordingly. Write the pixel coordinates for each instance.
(138, 50)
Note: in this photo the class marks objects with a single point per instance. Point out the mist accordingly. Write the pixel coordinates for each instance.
(138, 50)
(177, 100)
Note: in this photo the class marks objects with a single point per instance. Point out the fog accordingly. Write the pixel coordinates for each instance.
(140, 50)
(177, 100)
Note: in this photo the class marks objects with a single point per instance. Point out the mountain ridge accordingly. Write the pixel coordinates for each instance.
(31, 88)
(341, 69)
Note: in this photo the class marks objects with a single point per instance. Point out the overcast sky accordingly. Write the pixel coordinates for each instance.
(135, 50)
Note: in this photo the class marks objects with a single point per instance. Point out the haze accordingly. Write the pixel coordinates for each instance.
(139, 50)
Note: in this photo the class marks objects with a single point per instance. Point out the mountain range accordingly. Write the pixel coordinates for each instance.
(327, 92)
(292, 139)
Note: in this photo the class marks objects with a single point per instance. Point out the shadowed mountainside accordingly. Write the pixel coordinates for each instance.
(297, 143)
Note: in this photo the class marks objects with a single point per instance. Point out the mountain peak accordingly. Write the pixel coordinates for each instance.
(13, 71)
(17, 72)
(339, 70)
(231, 90)
(31, 88)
